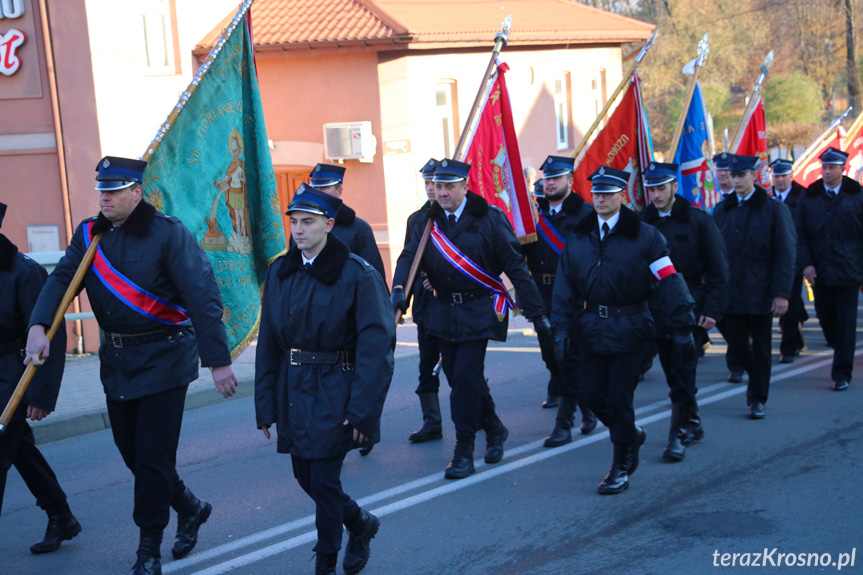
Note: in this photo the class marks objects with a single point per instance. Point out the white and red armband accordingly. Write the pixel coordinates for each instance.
(662, 268)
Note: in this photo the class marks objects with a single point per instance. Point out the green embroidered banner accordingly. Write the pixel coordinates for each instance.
(213, 171)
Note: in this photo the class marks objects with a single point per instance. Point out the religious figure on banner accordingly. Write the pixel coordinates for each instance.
(502, 184)
(233, 185)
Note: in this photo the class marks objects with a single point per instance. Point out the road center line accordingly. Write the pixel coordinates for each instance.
(450, 487)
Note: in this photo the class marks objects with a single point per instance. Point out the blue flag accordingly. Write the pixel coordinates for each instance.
(695, 157)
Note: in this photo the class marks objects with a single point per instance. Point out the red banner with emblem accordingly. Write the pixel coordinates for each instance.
(496, 172)
(807, 170)
(622, 144)
(754, 143)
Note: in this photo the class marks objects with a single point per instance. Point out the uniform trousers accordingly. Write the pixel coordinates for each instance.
(836, 307)
(321, 480)
(740, 329)
(470, 399)
(679, 375)
(18, 448)
(429, 356)
(733, 358)
(147, 431)
(546, 348)
(607, 386)
(790, 323)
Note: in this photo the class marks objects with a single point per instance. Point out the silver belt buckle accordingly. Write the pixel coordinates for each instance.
(294, 362)
(603, 311)
(116, 340)
(456, 298)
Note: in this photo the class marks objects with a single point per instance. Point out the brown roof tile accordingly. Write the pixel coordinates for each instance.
(429, 23)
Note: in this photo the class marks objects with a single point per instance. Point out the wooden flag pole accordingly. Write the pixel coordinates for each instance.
(750, 104)
(610, 102)
(500, 40)
(703, 50)
(74, 285)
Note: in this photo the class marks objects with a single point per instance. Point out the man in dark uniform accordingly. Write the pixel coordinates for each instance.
(611, 266)
(471, 244)
(559, 211)
(830, 225)
(698, 254)
(721, 165)
(760, 243)
(788, 192)
(323, 367)
(429, 382)
(21, 279)
(170, 313)
(353, 231)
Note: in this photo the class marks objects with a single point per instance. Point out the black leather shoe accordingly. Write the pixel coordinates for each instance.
(325, 564)
(149, 557)
(147, 565)
(588, 422)
(550, 402)
(632, 454)
(194, 513)
(735, 377)
(462, 460)
(756, 410)
(840, 385)
(786, 358)
(366, 449)
(359, 536)
(61, 527)
(615, 482)
(494, 443)
(432, 424)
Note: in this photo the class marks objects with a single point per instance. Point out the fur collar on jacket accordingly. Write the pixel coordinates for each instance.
(476, 207)
(628, 224)
(138, 223)
(679, 210)
(572, 204)
(8, 251)
(757, 201)
(327, 266)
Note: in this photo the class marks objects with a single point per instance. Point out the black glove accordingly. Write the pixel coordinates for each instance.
(397, 298)
(684, 345)
(542, 327)
(561, 347)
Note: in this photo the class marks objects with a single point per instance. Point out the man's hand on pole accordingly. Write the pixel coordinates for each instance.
(38, 346)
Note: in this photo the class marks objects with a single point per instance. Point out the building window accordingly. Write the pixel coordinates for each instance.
(446, 116)
(597, 90)
(561, 110)
(159, 38)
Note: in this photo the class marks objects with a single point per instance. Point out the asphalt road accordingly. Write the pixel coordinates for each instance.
(789, 482)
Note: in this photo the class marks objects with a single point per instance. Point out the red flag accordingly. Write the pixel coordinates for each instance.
(496, 173)
(754, 143)
(853, 145)
(808, 168)
(623, 144)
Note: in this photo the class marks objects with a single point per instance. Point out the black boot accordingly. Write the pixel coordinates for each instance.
(563, 423)
(462, 460)
(632, 456)
(588, 419)
(617, 480)
(495, 435)
(62, 526)
(191, 514)
(361, 531)
(325, 564)
(149, 556)
(432, 425)
(674, 449)
(693, 425)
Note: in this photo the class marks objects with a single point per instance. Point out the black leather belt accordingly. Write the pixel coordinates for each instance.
(12, 347)
(121, 340)
(300, 357)
(615, 310)
(461, 297)
(544, 279)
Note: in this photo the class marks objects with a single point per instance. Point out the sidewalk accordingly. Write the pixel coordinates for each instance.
(81, 405)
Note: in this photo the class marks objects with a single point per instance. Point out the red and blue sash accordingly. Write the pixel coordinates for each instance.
(129, 293)
(551, 236)
(502, 300)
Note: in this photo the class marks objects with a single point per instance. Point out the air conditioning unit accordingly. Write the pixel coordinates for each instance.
(349, 141)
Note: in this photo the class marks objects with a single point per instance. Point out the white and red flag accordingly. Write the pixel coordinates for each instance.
(496, 172)
(852, 144)
(624, 144)
(754, 143)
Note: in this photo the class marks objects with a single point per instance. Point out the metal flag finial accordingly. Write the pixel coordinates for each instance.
(647, 46)
(703, 50)
(505, 30)
(768, 61)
